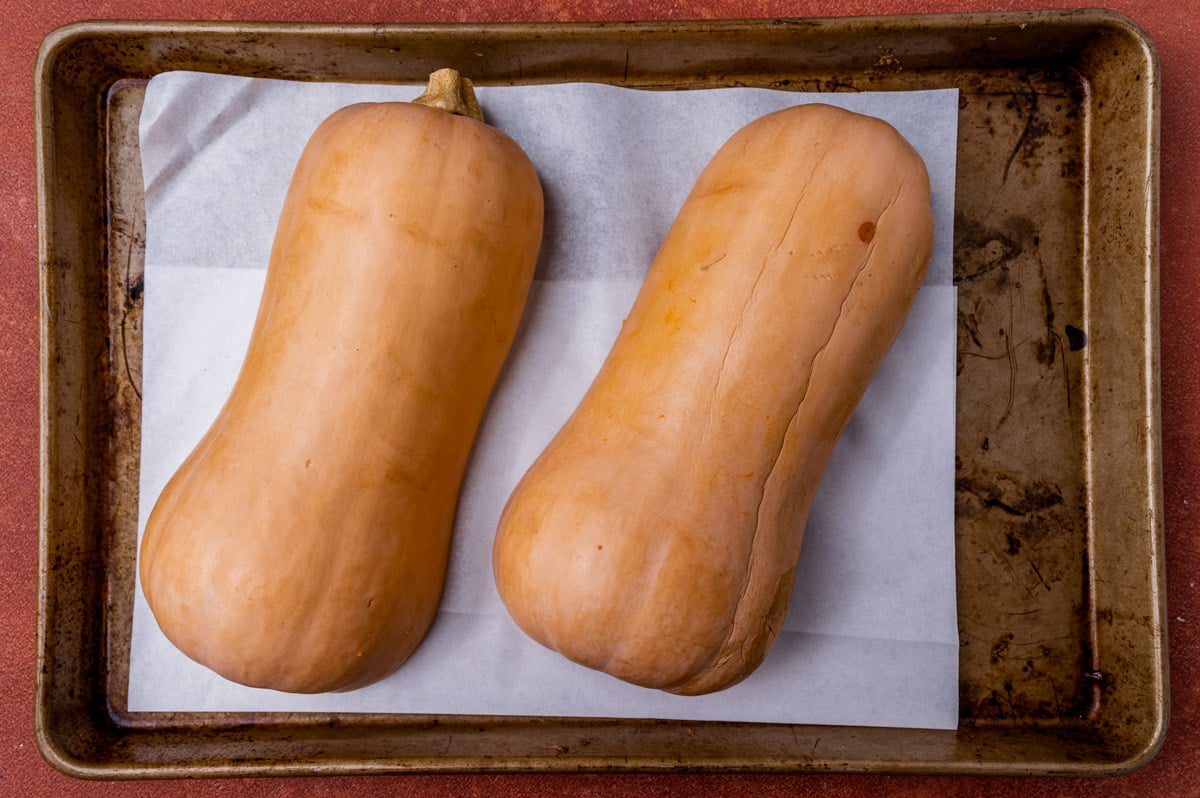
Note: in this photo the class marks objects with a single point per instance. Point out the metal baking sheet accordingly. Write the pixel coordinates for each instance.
(1058, 469)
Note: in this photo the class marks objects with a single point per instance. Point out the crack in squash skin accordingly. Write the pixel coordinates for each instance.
(303, 544)
(657, 536)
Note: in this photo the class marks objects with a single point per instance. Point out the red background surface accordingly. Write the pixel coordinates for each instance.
(1173, 25)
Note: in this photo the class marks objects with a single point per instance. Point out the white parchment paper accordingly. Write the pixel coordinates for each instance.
(871, 636)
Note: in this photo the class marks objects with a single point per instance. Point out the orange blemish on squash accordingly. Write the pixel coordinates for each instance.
(866, 231)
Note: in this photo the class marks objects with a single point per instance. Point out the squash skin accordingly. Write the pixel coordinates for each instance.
(656, 537)
(303, 544)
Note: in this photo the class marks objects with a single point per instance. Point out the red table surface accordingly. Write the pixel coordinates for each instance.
(1174, 25)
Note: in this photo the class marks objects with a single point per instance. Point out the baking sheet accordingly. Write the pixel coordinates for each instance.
(1063, 658)
(871, 637)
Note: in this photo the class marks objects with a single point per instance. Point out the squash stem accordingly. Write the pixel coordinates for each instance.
(452, 93)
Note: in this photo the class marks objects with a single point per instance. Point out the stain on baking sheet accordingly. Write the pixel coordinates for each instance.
(1003, 492)
(1019, 488)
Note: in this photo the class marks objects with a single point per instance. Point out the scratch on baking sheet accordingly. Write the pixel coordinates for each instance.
(1032, 97)
(1012, 380)
(1016, 578)
(1057, 347)
(1038, 573)
(1057, 700)
(1066, 367)
(1011, 356)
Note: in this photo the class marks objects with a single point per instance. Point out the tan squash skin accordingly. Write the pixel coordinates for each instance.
(303, 545)
(657, 536)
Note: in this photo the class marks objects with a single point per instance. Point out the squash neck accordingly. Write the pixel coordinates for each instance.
(452, 93)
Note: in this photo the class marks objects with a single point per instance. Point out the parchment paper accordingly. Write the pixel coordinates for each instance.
(871, 636)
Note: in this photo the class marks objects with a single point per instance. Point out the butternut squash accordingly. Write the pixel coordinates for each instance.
(303, 544)
(656, 537)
